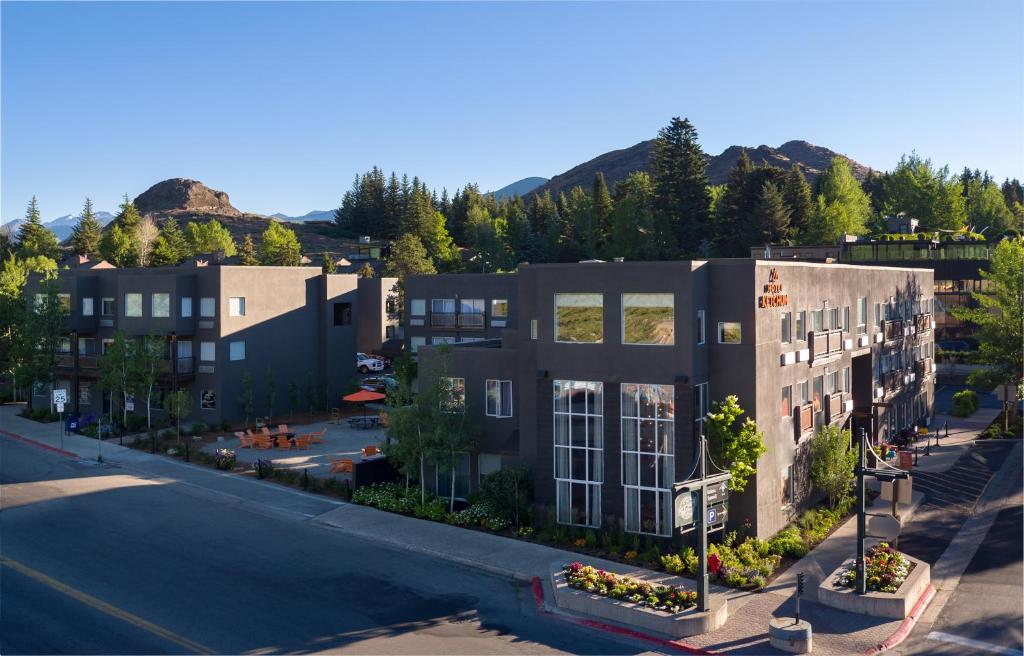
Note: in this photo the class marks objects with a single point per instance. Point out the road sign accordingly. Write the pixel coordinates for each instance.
(717, 492)
(686, 501)
(129, 404)
(717, 515)
(60, 396)
(60, 407)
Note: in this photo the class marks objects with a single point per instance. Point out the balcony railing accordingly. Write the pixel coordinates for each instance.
(924, 368)
(805, 420)
(893, 382)
(185, 366)
(443, 319)
(824, 344)
(892, 330)
(92, 361)
(834, 406)
(474, 320)
(923, 322)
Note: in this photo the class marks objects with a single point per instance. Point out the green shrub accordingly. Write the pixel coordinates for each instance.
(965, 402)
(135, 423)
(198, 427)
(508, 493)
(788, 542)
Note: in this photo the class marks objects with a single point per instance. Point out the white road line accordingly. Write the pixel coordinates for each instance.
(973, 644)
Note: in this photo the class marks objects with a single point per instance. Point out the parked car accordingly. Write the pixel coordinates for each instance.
(365, 364)
(378, 384)
(377, 356)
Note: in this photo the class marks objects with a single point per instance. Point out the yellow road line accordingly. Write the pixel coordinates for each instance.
(102, 606)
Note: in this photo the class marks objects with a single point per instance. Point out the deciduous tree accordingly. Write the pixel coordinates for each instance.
(737, 445)
(279, 246)
(832, 463)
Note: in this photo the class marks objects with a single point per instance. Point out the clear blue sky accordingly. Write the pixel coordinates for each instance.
(280, 105)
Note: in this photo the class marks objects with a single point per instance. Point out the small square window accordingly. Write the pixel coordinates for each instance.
(133, 305)
(207, 307)
(730, 332)
(207, 351)
(236, 350)
(236, 306)
(418, 307)
(499, 308)
(87, 307)
(416, 342)
(107, 307)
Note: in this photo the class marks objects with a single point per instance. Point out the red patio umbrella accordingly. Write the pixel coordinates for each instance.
(364, 397)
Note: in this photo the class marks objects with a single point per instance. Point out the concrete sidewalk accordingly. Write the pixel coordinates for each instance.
(963, 432)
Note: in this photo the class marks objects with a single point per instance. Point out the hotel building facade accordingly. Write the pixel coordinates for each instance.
(599, 375)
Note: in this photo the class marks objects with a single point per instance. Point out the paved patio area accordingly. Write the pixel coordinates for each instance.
(340, 441)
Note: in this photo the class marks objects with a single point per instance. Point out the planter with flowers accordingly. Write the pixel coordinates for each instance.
(224, 459)
(895, 582)
(664, 604)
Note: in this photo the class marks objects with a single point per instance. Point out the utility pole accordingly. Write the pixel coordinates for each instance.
(703, 601)
(861, 518)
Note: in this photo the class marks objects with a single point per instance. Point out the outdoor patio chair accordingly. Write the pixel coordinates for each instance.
(370, 450)
(264, 430)
(318, 438)
(282, 428)
(303, 441)
(262, 442)
(340, 465)
(284, 443)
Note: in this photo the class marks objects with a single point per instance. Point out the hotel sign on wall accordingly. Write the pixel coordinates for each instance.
(773, 295)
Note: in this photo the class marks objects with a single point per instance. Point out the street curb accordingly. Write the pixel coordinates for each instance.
(41, 445)
(907, 626)
(538, 598)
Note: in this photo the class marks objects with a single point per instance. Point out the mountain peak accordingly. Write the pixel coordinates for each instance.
(184, 196)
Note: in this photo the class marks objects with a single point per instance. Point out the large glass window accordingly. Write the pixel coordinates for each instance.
(471, 306)
(648, 457)
(579, 451)
(579, 318)
(499, 398)
(785, 327)
(648, 319)
(133, 305)
(729, 332)
(442, 306)
(161, 305)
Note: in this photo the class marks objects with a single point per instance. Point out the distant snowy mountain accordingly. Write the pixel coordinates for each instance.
(315, 215)
(62, 225)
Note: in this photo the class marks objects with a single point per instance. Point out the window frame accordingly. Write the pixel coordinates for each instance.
(203, 351)
(660, 421)
(126, 304)
(112, 305)
(599, 295)
(500, 412)
(153, 305)
(702, 332)
(422, 305)
(563, 406)
(231, 350)
(90, 302)
(622, 316)
(186, 301)
(721, 334)
(207, 307)
(236, 306)
(786, 327)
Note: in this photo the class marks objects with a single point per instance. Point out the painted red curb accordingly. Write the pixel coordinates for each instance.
(41, 445)
(908, 624)
(538, 597)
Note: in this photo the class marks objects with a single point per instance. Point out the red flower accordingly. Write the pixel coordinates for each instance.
(714, 563)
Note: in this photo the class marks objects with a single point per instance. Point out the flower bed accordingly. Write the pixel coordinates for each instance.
(224, 459)
(393, 497)
(668, 599)
(885, 569)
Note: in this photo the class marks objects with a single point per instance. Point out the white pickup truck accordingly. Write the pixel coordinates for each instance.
(365, 363)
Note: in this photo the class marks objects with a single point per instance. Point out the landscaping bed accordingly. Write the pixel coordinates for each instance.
(668, 599)
(895, 583)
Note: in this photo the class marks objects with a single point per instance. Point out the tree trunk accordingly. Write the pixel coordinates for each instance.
(451, 501)
(423, 492)
(149, 406)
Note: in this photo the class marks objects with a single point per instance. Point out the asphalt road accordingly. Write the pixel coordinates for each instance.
(97, 559)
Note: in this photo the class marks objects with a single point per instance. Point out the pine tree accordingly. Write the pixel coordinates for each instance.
(603, 206)
(771, 216)
(681, 194)
(35, 239)
(279, 246)
(120, 247)
(247, 254)
(88, 233)
(736, 205)
(328, 265)
(171, 247)
(796, 193)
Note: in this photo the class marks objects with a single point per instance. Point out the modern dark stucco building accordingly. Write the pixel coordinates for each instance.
(602, 372)
(220, 321)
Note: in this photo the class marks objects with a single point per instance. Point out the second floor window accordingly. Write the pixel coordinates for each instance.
(785, 328)
(207, 351)
(186, 306)
(787, 401)
(87, 307)
(499, 309)
(161, 305)
(730, 332)
(801, 325)
(700, 327)
(107, 307)
(236, 306)
(442, 306)
(417, 307)
(579, 318)
(453, 394)
(862, 315)
(236, 350)
(499, 398)
(133, 305)
(648, 319)
(207, 307)
(342, 314)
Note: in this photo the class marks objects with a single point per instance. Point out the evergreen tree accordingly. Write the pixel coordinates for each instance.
(429, 226)
(632, 220)
(841, 205)
(366, 271)
(247, 254)
(171, 247)
(88, 233)
(771, 216)
(117, 247)
(35, 239)
(681, 194)
(736, 205)
(279, 246)
(209, 237)
(796, 193)
(408, 257)
(603, 206)
(328, 265)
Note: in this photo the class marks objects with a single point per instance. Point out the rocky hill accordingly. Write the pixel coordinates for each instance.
(521, 187)
(617, 164)
(184, 196)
